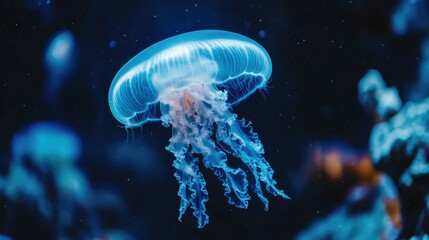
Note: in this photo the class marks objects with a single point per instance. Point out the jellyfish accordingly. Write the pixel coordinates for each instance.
(46, 143)
(44, 172)
(190, 82)
(59, 61)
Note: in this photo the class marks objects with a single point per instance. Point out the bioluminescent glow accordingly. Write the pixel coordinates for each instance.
(4, 237)
(45, 141)
(59, 60)
(190, 82)
(112, 44)
(43, 172)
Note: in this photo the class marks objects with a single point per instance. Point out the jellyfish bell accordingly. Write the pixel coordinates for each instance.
(46, 144)
(190, 82)
(210, 58)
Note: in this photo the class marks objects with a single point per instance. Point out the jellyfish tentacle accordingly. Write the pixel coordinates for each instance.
(197, 127)
(240, 141)
(234, 180)
(194, 122)
(227, 143)
(254, 152)
(192, 186)
(206, 106)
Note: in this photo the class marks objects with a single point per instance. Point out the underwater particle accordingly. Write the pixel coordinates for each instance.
(262, 33)
(112, 44)
(59, 60)
(189, 82)
(327, 111)
(37, 4)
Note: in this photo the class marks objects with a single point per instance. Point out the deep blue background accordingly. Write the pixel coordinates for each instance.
(319, 50)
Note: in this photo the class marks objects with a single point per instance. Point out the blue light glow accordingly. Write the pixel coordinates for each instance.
(59, 60)
(410, 15)
(46, 140)
(112, 44)
(190, 82)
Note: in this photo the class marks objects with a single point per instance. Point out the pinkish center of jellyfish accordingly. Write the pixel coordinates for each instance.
(204, 126)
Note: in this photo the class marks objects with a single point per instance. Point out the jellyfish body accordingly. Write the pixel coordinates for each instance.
(44, 142)
(44, 172)
(190, 82)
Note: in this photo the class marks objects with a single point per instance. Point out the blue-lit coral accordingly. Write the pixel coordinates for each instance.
(376, 98)
(405, 134)
(410, 15)
(371, 222)
(421, 88)
(190, 82)
(398, 146)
